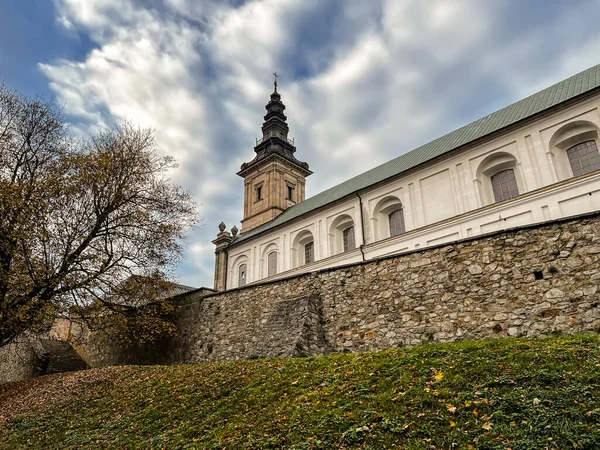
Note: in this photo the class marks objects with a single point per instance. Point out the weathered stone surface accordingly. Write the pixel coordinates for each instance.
(555, 293)
(31, 356)
(19, 361)
(293, 328)
(513, 331)
(475, 269)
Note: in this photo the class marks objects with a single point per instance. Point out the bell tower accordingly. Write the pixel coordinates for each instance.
(274, 180)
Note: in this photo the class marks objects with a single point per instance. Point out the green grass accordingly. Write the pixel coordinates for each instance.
(519, 394)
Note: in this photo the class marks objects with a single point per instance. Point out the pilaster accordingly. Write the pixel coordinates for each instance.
(221, 243)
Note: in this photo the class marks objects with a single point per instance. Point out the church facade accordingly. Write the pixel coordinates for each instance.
(534, 161)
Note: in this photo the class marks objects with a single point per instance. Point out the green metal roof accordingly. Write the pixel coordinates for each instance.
(565, 90)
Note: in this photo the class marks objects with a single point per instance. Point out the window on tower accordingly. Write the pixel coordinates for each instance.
(290, 192)
(259, 193)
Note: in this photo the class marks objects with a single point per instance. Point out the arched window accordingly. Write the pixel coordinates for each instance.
(341, 235)
(499, 178)
(504, 185)
(584, 158)
(387, 218)
(309, 252)
(272, 264)
(239, 274)
(349, 243)
(242, 270)
(303, 248)
(574, 149)
(396, 222)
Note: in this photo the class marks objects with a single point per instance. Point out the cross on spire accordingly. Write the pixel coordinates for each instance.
(275, 80)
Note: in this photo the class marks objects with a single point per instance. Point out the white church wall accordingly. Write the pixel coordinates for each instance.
(446, 200)
(283, 240)
(563, 200)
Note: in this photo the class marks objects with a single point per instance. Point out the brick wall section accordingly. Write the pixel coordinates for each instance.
(526, 282)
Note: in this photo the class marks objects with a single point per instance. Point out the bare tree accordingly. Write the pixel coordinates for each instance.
(80, 219)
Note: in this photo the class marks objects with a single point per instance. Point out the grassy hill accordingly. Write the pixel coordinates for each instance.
(514, 394)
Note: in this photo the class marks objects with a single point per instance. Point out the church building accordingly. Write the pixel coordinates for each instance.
(534, 161)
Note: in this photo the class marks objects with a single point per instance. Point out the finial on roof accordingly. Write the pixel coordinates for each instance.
(275, 80)
(234, 230)
(222, 227)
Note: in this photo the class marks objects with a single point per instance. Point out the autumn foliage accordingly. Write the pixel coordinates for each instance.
(81, 217)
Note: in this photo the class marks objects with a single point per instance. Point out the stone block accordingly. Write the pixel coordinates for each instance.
(475, 269)
(513, 331)
(554, 294)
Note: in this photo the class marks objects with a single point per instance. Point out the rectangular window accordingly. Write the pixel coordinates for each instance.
(584, 158)
(272, 264)
(504, 185)
(309, 255)
(290, 192)
(259, 193)
(349, 239)
(242, 275)
(396, 219)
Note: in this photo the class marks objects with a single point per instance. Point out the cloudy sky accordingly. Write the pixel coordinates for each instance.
(363, 80)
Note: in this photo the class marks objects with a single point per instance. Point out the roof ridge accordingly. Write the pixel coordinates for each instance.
(182, 285)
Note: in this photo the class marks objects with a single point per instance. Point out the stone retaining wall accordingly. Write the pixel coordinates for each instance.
(526, 282)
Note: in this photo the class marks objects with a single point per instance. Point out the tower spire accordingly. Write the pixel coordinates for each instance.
(275, 138)
(274, 180)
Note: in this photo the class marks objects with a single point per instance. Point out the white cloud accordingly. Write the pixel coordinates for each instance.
(144, 74)
(369, 82)
(98, 16)
(368, 100)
